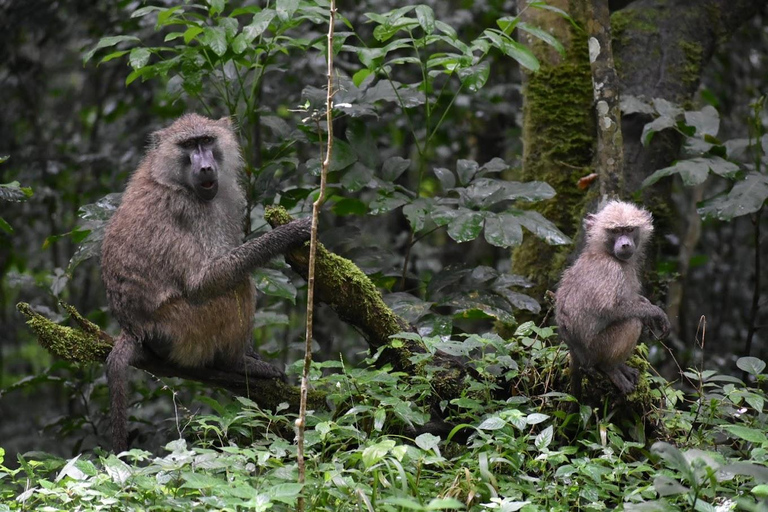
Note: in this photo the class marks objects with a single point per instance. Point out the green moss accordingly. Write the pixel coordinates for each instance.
(691, 67)
(559, 140)
(65, 342)
(631, 21)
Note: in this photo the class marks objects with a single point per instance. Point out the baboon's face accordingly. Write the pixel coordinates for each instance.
(622, 242)
(200, 159)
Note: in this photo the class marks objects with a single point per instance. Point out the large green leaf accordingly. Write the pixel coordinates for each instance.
(543, 35)
(706, 121)
(273, 282)
(215, 38)
(466, 225)
(695, 170)
(473, 78)
(512, 48)
(426, 17)
(541, 227)
(13, 191)
(106, 42)
(258, 25)
(747, 196)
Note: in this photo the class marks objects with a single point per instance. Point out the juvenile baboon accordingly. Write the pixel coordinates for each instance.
(175, 268)
(598, 308)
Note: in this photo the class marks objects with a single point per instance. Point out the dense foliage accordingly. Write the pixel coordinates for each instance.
(424, 197)
(536, 451)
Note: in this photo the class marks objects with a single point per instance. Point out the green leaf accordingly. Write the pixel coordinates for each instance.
(544, 438)
(258, 25)
(217, 7)
(417, 211)
(167, 17)
(536, 418)
(5, 226)
(752, 435)
(393, 167)
(139, 57)
(357, 177)
(343, 156)
(503, 230)
(446, 178)
(445, 504)
(634, 105)
(426, 17)
(239, 43)
(139, 13)
(106, 42)
(667, 486)
(13, 191)
(113, 55)
(349, 206)
(513, 49)
(215, 38)
(657, 125)
(466, 225)
(286, 8)
(286, 493)
(230, 27)
(200, 481)
(427, 441)
(363, 143)
(706, 121)
(747, 196)
(191, 33)
(474, 78)
(751, 365)
(695, 170)
(273, 282)
(374, 453)
(466, 170)
(543, 35)
(361, 75)
(541, 227)
(492, 423)
(507, 24)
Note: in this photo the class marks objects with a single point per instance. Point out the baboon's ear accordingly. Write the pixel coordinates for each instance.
(590, 220)
(155, 138)
(225, 122)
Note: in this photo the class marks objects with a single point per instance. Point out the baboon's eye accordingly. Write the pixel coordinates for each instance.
(187, 144)
(207, 140)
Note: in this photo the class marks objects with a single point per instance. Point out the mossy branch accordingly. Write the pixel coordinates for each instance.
(89, 344)
(353, 296)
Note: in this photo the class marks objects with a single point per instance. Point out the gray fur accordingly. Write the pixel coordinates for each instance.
(599, 309)
(175, 268)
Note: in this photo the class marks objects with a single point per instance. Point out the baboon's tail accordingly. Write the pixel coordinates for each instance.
(119, 359)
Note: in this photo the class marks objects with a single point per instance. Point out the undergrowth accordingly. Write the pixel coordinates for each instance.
(535, 449)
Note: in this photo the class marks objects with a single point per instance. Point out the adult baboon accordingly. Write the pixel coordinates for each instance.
(598, 307)
(175, 268)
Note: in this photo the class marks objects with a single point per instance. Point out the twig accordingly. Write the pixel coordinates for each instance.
(302, 419)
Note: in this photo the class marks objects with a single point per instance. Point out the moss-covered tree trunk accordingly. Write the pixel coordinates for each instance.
(558, 136)
(660, 48)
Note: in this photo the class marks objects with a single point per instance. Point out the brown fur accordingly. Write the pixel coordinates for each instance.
(175, 268)
(599, 308)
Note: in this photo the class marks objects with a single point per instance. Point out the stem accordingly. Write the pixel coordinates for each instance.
(302, 420)
(756, 289)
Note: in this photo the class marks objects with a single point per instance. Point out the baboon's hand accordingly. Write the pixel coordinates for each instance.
(660, 324)
(303, 228)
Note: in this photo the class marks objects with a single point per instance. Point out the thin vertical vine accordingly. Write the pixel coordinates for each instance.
(302, 419)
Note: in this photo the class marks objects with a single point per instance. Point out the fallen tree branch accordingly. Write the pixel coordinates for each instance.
(90, 344)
